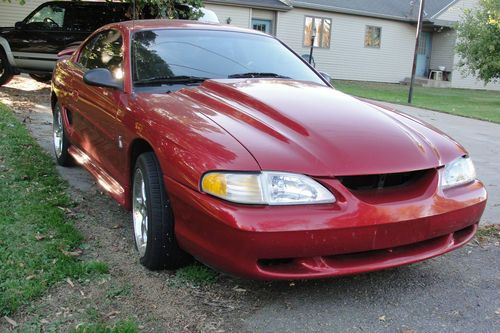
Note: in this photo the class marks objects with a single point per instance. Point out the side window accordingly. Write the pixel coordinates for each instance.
(48, 17)
(104, 51)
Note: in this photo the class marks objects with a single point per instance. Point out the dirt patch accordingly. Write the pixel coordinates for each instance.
(156, 301)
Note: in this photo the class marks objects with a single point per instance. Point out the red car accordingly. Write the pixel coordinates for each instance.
(227, 146)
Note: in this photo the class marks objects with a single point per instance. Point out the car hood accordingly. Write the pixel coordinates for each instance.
(303, 127)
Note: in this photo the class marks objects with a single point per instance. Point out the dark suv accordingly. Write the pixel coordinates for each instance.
(32, 46)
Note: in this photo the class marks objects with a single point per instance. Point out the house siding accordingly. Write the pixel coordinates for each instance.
(454, 12)
(263, 14)
(443, 44)
(13, 12)
(240, 16)
(469, 82)
(348, 58)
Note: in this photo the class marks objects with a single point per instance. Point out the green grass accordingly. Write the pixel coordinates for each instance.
(479, 104)
(120, 327)
(489, 231)
(35, 235)
(196, 274)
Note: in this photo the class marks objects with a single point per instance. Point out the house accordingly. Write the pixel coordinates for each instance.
(362, 40)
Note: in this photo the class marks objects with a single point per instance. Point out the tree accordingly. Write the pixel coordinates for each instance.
(172, 9)
(478, 41)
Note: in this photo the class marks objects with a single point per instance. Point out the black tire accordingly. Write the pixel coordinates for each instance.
(44, 78)
(5, 69)
(63, 157)
(160, 250)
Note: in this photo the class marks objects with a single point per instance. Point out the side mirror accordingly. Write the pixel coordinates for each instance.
(101, 77)
(18, 25)
(326, 76)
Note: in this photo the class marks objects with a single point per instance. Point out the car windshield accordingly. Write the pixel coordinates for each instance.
(170, 57)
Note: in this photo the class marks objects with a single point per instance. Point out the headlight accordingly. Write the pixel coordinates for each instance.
(266, 188)
(458, 172)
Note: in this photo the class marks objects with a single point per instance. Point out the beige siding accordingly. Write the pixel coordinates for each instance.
(240, 16)
(10, 13)
(347, 57)
(470, 82)
(454, 12)
(443, 44)
(263, 14)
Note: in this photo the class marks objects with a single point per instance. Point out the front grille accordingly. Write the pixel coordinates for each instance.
(381, 181)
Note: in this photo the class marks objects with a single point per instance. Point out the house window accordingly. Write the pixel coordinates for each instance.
(322, 26)
(372, 36)
(262, 25)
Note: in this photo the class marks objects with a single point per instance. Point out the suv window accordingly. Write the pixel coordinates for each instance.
(87, 17)
(104, 51)
(50, 16)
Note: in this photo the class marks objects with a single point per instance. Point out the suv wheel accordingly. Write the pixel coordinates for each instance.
(5, 70)
(44, 78)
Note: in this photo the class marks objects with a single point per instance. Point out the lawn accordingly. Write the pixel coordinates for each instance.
(479, 104)
(38, 243)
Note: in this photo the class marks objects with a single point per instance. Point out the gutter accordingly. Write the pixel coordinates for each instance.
(334, 9)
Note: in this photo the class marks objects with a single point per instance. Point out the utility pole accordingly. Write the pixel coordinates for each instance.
(419, 30)
(313, 37)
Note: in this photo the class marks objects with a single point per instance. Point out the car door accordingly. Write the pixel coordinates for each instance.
(37, 40)
(94, 109)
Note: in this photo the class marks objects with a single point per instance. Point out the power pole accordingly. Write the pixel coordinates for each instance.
(313, 36)
(414, 68)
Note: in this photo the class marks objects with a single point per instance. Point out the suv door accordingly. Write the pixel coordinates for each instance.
(36, 42)
(54, 26)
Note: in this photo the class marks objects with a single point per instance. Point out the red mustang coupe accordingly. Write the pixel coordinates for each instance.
(229, 147)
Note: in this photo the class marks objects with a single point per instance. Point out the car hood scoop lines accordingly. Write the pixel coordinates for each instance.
(307, 128)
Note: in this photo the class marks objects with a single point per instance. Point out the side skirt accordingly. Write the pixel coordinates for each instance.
(108, 183)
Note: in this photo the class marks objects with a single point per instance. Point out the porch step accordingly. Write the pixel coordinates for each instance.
(423, 82)
(437, 84)
(419, 81)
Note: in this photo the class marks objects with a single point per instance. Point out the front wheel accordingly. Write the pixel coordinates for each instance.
(153, 217)
(61, 143)
(5, 69)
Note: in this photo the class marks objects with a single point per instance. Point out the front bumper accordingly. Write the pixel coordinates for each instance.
(358, 233)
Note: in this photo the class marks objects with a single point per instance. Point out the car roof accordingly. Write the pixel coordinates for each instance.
(138, 25)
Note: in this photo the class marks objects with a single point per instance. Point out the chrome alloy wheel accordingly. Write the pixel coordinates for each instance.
(140, 212)
(58, 131)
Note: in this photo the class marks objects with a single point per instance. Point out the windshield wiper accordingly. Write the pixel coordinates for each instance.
(256, 75)
(169, 80)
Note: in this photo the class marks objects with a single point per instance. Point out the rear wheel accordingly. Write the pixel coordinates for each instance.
(61, 143)
(5, 69)
(44, 78)
(153, 217)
